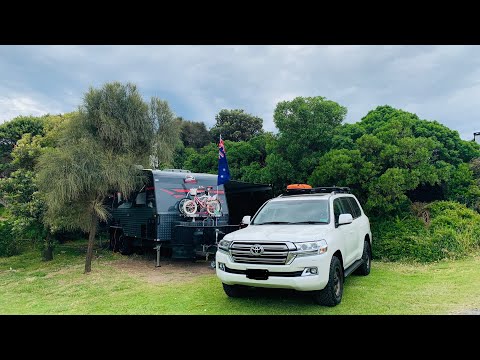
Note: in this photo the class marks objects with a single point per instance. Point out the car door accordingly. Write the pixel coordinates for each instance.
(351, 240)
(345, 233)
(361, 225)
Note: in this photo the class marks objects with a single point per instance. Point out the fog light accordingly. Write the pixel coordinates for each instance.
(221, 266)
(310, 271)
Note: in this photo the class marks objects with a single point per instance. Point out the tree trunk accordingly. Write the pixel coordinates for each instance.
(48, 251)
(91, 240)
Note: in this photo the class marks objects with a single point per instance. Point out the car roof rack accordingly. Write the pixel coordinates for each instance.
(330, 189)
(318, 190)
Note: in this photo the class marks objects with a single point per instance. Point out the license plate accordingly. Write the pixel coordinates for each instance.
(257, 274)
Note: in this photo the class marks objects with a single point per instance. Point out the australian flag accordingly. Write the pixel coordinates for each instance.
(223, 171)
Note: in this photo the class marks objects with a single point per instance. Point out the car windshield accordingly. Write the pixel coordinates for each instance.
(293, 212)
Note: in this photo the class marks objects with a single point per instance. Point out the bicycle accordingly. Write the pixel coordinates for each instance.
(188, 196)
(210, 203)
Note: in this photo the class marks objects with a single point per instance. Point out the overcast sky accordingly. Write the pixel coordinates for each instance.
(436, 82)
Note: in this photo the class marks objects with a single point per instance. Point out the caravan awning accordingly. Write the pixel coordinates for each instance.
(234, 186)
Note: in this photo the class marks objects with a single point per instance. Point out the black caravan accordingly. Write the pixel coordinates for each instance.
(151, 216)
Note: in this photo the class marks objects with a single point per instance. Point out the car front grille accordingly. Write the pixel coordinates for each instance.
(272, 254)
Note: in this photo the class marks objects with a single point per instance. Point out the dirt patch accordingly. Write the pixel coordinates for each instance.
(468, 312)
(169, 271)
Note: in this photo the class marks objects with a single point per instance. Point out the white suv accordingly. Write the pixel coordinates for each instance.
(306, 242)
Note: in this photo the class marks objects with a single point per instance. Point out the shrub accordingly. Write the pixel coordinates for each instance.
(452, 231)
(8, 243)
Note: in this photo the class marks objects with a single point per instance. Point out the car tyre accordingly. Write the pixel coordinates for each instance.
(332, 294)
(364, 269)
(234, 291)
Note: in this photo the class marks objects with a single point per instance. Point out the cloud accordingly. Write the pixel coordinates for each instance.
(436, 82)
(19, 104)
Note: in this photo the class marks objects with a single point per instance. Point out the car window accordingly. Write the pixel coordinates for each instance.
(337, 209)
(347, 209)
(355, 207)
(293, 211)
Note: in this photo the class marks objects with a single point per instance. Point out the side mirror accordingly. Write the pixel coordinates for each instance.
(345, 219)
(246, 220)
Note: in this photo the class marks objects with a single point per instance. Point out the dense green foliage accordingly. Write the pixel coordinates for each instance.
(452, 231)
(306, 126)
(166, 134)
(475, 167)
(246, 159)
(19, 191)
(193, 134)
(236, 125)
(390, 159)
(8, 242)
(11, 132)
(114, 130)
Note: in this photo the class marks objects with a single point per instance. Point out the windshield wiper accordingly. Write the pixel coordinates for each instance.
(310, 222)
(273, 222)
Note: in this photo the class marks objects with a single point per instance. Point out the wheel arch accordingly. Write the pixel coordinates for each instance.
(338, 254)
(369, 240)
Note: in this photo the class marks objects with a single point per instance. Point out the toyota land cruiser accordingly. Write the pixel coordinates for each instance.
(308, 241)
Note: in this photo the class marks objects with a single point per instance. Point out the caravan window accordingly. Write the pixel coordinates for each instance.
(141, 199)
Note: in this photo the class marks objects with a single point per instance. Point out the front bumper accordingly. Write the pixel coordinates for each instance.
(288, 275)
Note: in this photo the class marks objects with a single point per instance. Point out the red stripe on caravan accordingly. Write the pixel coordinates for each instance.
(181, 190)
(167, 191)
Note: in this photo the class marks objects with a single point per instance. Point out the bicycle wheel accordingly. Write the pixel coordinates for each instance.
(180, 205)
(189, 207)
(213, 207)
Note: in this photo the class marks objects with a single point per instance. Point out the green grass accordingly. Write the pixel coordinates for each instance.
(31, 286)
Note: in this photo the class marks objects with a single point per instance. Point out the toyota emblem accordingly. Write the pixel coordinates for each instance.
(256, 250)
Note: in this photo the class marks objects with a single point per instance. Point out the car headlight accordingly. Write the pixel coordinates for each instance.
(224, 245)
(311, 248)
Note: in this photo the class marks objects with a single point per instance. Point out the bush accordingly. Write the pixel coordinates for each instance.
(452, 231)
(8, 243)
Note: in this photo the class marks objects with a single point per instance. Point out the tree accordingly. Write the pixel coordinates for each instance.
(392, 158)
(180, 155)
(11, 132)
(113, 131)
(236, 125)
(342, 167)
(193, 134)
(475, 167)
(306, 128)
(19, 191)
(246, 159)
(167, 132)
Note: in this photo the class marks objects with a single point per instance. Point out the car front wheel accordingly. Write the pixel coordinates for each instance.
(234, 291)
(332, 294)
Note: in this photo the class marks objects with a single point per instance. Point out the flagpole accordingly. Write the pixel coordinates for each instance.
(218, 197)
